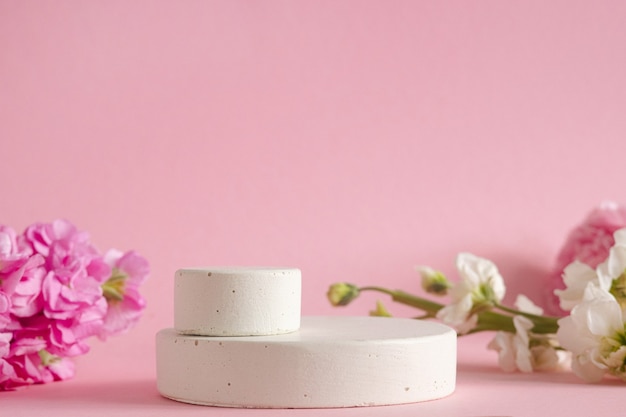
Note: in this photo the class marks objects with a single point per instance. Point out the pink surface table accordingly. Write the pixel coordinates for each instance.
(482, 390)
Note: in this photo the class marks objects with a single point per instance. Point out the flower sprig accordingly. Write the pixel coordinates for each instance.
(476, 299)
(526, 339)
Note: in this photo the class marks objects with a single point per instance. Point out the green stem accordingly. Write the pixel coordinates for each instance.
(492, 321)
(522, 313)
(543, 324)
(487, 320)
(405, 298)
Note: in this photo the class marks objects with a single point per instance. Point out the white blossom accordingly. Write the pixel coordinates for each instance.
(480, 287)
(595, 334)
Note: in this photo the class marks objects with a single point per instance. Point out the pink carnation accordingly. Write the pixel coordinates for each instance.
(590, 243)
(72, 294)
(56, 291)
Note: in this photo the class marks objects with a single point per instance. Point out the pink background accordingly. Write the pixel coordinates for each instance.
(351, 139)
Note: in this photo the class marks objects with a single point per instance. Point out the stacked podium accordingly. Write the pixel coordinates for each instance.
(239, 341)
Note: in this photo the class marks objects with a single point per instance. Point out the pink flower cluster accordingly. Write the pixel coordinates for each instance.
(590, 243)
(56, 291)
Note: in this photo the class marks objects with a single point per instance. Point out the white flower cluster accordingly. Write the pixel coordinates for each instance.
(594, 333)
(482, 288)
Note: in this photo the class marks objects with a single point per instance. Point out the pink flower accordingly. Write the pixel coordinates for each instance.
(26, 342)
(56, 291)
(589, 243)
(26, 299)
(15, 362)
(17, 267)
(121, 291)
(71, 291)
(65, 247)
(66, 297)
(33, 368)
(11, 252)
(65, 340)
(41, 236)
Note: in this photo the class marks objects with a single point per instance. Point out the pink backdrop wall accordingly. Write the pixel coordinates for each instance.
(352, 139)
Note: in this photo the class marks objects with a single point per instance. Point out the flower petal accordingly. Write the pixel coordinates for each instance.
(572, 337)
(620, 237)
(617, 261)
(576, 276)
(604, 317)
(584, 368)
(503, 344)
(524, 304)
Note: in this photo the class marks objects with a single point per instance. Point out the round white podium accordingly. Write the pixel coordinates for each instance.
(328, 362)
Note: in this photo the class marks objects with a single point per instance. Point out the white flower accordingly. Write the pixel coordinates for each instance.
(480, 287)
(524, 350)
(595, 334)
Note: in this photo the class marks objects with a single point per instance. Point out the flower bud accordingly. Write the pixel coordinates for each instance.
(380, 311)
(434, 282)
(342, 293)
